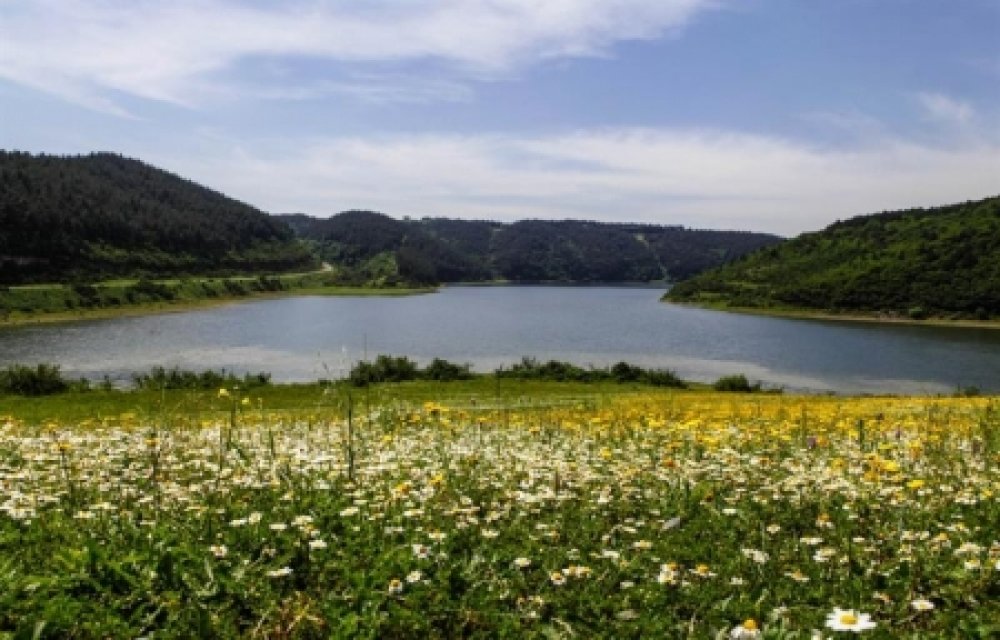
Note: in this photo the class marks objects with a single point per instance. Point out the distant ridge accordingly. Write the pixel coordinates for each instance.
(941, 261)
(431, 250)
(101, 215)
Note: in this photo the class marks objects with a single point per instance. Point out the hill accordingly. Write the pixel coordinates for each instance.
(101, 215)
(942, 262)
(430, 250)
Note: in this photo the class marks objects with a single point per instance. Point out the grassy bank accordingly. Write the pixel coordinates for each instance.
(813, 314)
(294, 399)
(495, 508)
(32, 304)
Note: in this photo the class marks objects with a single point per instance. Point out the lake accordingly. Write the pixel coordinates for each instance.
(305, 338)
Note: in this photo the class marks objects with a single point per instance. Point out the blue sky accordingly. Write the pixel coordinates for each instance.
(774, 115)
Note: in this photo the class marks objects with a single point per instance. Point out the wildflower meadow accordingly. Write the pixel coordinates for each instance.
(636, 514)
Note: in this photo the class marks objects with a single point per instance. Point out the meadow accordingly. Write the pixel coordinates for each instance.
(56, 302)
(487, 509)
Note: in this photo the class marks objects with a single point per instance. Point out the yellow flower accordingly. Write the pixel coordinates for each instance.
(223, 393)
(402, 488)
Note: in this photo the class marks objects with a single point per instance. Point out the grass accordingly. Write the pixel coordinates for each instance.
(852, 316)
(298, 399)
(497, 508)
(31, 304)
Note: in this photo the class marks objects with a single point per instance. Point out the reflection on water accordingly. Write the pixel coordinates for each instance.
(305, 338)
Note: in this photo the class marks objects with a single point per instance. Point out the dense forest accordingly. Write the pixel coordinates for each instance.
(83, 218)
(101, 215)
(376, 247)
(942, 262)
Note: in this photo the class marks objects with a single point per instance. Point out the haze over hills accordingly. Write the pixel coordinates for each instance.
(73, 218)
(942, 261)
(374, 246)
(104, 215)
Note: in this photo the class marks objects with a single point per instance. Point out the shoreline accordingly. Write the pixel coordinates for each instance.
(809, 314)
(629, 284)
(16, 319)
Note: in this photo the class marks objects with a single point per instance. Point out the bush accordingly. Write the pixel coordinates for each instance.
(235, 288)
(622, 373)
(268, 284)
(389, 369)
(625, 372)
(147, 290)
(444, 371)
(531, 369)
(87, 293)
(43, 380)
(736, 384)
(384, 369)
(663, 378)
(161, 378)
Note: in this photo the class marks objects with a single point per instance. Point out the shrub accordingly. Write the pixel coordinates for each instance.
(42, 380)
(968, 392)
(531, 369)
(176, 378)
(444, 371)
(270, 284)
(235, 287)
(87, 293)
(146, 289)
(384, 369)
(737, 384)
(663, 378)
(625, 372)
(622, 373)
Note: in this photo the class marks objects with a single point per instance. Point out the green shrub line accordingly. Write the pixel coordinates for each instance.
(622, 373)
(111, 295)
(176, 378)
(42, 380)
(737, 384)
(401, 369)
(47, 379)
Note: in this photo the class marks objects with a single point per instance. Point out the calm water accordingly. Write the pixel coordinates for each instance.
(306, 338)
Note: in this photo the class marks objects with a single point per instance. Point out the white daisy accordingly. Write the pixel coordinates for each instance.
(849, 620)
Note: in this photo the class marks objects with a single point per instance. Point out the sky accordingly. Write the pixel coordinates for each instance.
(765, 115)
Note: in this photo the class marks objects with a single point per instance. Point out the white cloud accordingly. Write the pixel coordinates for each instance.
(184, 50)
(938, 106)
(371, 89)
(701, 178)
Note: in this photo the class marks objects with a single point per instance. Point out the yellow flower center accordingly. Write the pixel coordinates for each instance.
(750, 624)
(848, 619)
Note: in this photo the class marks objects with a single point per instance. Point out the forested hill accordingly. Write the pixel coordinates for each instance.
(87, 217)
(942, 262)
(429, 250)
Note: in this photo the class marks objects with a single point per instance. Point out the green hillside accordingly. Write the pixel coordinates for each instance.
(103, 215)
(376, 247)
(941, 262)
